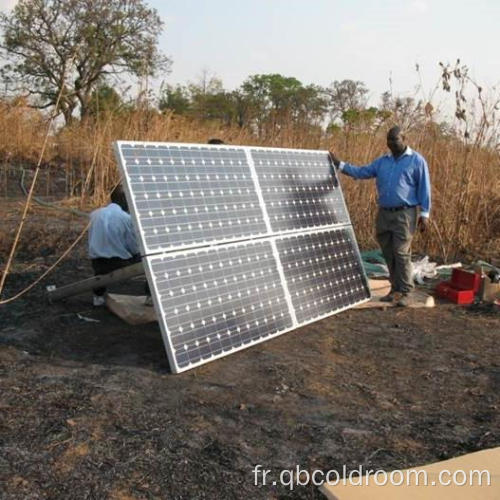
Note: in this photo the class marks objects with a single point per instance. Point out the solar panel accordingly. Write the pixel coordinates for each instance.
(299, 189)
(241, 244)
(218, 300)
(190, 195)
(323, 272)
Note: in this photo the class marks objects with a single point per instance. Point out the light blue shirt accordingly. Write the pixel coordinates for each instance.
(111, 233)
(403, 181)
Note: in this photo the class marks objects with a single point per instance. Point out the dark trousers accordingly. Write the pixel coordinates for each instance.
(394, 234)
(103, 265)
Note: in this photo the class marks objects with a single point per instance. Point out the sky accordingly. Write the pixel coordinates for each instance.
(319, 41)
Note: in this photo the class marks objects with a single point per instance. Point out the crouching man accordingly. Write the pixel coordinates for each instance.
(112, 241)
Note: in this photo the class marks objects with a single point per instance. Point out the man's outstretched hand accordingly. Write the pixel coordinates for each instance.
(423, 224)
(335, 160)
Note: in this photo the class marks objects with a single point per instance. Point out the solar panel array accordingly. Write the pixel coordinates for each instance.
(241, 243)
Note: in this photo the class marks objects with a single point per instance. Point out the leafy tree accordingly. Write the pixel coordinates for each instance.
(218, 106)
(205, 100)
(176, 99)
(272, 92)
(69, 47)
(242, 108)
(346, 95)
(208, 98)
(272, 101)
(265, 103)
(311, 105)
(104, 100)
(357, 117)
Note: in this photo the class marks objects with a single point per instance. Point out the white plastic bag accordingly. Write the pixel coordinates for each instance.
(423, 269)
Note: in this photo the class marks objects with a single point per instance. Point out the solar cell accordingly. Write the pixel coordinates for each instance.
(299, 189)
(218, 300)
(323, 271)
(190, 195)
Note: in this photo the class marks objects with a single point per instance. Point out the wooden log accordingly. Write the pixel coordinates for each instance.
(117, 276)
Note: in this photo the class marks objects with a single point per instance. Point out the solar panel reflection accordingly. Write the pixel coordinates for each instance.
(299, 189)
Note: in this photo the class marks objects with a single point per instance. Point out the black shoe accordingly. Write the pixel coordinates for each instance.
(387, 298)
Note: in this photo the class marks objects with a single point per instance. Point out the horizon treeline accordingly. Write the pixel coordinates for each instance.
(266, 103)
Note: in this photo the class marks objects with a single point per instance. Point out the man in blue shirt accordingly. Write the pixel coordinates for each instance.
(403, 184)
(112, 241)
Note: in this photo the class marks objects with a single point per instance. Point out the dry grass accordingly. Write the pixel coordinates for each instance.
(21, 132)
(466, 200)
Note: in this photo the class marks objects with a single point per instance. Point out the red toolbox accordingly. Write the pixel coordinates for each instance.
(446, 290)
(465, 280)
(462, 287)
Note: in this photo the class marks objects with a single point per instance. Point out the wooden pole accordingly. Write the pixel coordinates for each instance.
(122, 274)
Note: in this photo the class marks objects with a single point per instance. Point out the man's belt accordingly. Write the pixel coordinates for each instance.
(397, 209)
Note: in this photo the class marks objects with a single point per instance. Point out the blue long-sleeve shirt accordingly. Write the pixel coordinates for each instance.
(403, 181)
(111, 233)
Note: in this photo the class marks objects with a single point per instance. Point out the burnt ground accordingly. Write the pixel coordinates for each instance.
(90, 409)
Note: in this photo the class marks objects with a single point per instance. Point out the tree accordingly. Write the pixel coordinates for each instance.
(311, 105)
(207, 83)
(272, 92)
(360, 117)
(242, 108)
(217, 106)
(104, 100)
(346, 95)
(69, 47)
(209, 100)
(272, 101)
(204, 100)
(175, 99)
(405, 111)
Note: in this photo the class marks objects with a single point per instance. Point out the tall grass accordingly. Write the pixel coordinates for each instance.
(80, 167)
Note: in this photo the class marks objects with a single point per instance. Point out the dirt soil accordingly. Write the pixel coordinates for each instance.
(89, 408)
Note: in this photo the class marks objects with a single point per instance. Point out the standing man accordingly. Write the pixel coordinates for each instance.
(403, 184)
